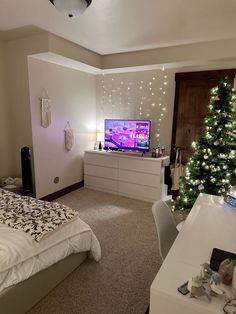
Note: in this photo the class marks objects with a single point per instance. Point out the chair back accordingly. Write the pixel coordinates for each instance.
(166, 229)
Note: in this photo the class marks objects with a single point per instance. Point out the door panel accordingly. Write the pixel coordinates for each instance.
(191, 103)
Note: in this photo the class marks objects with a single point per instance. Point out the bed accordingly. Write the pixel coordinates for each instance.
(35, 257)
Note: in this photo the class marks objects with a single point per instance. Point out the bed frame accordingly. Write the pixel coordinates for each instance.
(24, 295)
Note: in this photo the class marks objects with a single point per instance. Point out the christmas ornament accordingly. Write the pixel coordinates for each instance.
(201, 187)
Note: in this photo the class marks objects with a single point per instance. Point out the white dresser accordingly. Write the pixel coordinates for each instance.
(125, 174)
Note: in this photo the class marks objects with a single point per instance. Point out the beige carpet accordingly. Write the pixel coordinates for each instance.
(120, 282)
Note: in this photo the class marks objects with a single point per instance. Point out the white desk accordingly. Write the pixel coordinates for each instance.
(211, 223)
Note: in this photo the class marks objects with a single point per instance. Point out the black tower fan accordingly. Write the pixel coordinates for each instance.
(26, 171)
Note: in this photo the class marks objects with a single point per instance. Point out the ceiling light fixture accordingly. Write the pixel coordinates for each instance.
(71, 7)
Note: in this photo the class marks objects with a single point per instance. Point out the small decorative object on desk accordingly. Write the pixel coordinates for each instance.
(230, 306)
(226, 271)
(208, 283)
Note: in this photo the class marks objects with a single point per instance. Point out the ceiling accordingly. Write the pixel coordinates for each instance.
(111, 26)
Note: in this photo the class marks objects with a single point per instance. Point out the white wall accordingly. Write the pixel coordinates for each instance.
(5, 123)
(18, 92)
(73, 96)
(73, 51)
(139, 95)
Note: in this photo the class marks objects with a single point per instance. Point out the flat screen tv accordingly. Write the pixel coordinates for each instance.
(127, 134)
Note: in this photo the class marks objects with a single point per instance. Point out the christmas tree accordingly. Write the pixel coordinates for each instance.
(211, 168)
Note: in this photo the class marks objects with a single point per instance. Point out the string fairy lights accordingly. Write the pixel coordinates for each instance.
(131, 96)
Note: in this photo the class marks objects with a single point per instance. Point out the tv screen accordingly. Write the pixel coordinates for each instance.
(127, 134)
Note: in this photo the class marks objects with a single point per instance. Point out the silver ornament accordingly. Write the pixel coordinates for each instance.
(201, 187)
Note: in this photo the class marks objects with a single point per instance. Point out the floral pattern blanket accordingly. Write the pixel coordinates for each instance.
(35, 217)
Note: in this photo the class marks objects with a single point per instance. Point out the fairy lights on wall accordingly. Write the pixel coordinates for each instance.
(134, 95)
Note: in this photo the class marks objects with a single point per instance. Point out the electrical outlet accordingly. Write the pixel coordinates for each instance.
(56, 180)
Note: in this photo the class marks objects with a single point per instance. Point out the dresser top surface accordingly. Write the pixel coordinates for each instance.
(128, 155)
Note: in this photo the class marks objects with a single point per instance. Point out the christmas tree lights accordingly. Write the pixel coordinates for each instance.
(211, 168)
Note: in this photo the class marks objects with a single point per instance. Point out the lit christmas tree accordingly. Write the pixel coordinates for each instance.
(211, 168)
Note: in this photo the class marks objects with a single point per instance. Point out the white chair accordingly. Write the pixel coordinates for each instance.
(166, 229)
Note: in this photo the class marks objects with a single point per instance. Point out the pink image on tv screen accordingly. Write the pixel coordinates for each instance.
(127, 134)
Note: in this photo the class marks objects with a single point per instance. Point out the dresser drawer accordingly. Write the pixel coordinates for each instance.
(139, 178)
(147, 166)
(103, 172)
(101, 183)
(101, 160)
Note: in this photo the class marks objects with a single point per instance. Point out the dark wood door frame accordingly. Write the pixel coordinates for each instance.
(215, 75)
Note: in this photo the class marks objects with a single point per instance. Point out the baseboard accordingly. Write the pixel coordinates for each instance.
(62, 192)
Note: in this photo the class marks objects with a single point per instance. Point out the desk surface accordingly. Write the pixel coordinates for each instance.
(211, 223)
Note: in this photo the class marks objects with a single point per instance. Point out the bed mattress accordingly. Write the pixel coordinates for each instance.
(21, 256)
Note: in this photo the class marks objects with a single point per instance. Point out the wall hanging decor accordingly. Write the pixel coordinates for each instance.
(69, 136)
(45, 112)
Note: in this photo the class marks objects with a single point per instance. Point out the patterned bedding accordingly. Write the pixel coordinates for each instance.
(36, 218)
(21, 256)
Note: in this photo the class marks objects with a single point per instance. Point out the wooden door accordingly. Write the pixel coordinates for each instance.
(192, 97)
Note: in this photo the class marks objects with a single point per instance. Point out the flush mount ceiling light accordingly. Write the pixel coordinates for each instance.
(71, 7)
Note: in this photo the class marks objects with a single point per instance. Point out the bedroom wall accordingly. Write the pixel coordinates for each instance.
(73, 51)
(17, 82)
(73, 99)
(5, 125)
(139, 95)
